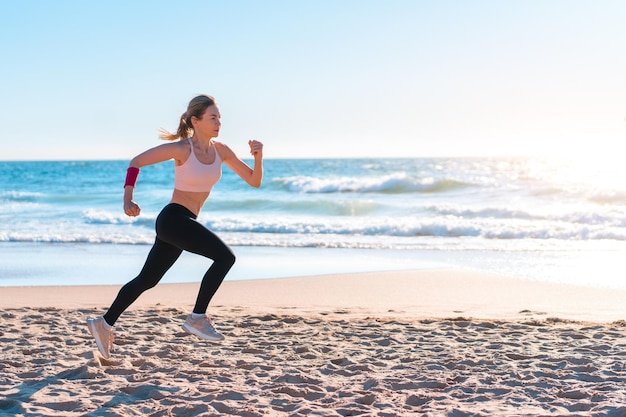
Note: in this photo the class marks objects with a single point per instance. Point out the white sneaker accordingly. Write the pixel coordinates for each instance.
(103, 334)
(202, 327)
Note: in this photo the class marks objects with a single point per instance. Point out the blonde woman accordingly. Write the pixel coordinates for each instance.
(198, 167)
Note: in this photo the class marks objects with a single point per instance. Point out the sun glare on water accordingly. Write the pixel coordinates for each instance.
(604, 171)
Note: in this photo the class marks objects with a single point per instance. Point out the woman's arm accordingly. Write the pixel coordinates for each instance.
(158, 154)
(152, 156)
(253, 176)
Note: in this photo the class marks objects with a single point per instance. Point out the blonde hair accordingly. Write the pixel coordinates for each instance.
(197, 106)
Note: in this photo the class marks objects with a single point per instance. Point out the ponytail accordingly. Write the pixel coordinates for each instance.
(185, 129)
(197, 106)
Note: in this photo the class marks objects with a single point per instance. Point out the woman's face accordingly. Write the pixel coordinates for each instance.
(209, 125)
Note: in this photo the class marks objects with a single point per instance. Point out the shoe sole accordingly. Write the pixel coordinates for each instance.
(194, 331)
(92, 329)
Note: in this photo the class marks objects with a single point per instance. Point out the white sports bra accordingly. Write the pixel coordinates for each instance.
(193, 175)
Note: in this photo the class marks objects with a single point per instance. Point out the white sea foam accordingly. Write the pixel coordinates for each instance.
(394, 183)
(99, 226)
(570, 214)
(103, 217)
(12, 195)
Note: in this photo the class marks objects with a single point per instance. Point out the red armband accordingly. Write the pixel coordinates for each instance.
(131, 176)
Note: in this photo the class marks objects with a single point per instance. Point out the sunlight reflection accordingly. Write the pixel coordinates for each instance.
(591, 175)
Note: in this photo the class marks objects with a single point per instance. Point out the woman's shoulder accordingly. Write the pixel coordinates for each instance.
(178, 149)
(177, 145)
(220, 145)
(223, 149)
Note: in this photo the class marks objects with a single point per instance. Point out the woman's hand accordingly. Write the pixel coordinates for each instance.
(253, 176)
(256, 148)
(131, 208)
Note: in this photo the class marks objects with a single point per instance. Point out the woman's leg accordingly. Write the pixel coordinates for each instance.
(177, 230)
(187, 234)
(161, 258)
(223, 261)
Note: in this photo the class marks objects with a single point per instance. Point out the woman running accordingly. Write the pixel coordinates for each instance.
(198, 167)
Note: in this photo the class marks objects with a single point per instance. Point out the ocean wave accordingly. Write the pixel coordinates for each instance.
(75, 237)
(52, 198)
(449, 222)
(598, 193)
(608, 217)
(440, 227)
(393, 183)
(22, 202)
(102, 227)
(101, 217)
(20, 196)
(377, 236)
(318, 206)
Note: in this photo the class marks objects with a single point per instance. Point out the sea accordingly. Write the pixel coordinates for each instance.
(62, 223)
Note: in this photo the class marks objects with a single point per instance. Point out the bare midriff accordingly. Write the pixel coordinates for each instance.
(192, 200)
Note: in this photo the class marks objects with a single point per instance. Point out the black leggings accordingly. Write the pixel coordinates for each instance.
(177, 230)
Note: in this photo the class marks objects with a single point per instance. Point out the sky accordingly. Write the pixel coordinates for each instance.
(323, 78)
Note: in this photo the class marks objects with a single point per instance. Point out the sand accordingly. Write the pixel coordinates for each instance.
(441, 342)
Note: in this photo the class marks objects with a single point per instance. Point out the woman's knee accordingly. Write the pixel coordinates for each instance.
(228, 258)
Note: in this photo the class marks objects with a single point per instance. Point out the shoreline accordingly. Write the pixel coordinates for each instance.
(53, 264)
(435, 293)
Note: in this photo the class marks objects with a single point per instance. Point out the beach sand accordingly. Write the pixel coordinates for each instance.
(430, 342)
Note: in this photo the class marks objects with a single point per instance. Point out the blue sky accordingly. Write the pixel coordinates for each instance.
(342, 78)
